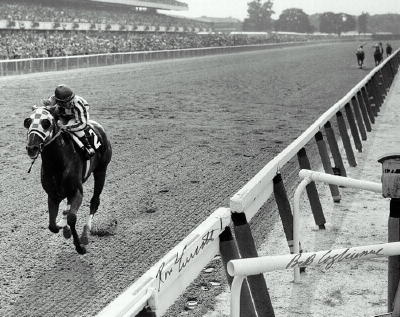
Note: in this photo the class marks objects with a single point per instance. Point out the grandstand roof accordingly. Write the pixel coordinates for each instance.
(157, 4)
(217, 20)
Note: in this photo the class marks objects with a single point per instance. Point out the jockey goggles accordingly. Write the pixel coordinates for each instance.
(65, 103)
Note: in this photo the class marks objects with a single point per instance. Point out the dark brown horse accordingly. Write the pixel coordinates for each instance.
(65, 169)
(378, 54)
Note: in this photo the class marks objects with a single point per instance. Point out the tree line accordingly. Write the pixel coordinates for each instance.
(296, 20)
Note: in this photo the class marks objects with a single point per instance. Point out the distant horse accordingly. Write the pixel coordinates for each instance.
(360, 56)
(64, 170)
(378, 55)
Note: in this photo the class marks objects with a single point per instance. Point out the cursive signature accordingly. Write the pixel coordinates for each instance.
(182, 259)
(329, 258)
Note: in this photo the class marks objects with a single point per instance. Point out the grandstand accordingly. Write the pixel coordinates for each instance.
(53, 28)
(44, 28)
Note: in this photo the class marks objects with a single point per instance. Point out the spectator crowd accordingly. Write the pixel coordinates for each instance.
(34, 44)
(70, 11)
(28, 43)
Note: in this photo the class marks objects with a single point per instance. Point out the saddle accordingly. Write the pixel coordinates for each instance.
(92, 136)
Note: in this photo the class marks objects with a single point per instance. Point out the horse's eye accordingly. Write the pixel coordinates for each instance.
(45, 123)
(27, 123)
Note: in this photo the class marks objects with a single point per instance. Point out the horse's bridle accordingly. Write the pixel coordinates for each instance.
(52, 136)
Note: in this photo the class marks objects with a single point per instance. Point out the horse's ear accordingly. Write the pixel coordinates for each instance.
(27, 123)
(45, 123)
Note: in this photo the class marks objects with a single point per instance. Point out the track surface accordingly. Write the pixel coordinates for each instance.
(186, 134)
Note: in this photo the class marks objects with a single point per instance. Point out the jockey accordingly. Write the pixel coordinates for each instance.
(388, 49)
(73, 113)
(360, 55)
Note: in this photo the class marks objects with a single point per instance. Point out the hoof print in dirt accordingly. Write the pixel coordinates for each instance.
(204, 287)
(105, 230)
(147, 206)
(191, 303)
(150, 210)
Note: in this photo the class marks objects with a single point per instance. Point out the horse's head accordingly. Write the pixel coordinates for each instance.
(41, 127)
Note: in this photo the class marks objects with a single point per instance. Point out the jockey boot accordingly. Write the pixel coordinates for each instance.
(87, 148)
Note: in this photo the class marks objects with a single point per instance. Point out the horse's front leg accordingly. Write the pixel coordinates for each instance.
(62, 223)
(75, 202)
(99, 178)
(53, 205)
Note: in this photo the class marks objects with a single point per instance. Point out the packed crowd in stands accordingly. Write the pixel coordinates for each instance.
(33, 44)
(17, 44)
(106, 14)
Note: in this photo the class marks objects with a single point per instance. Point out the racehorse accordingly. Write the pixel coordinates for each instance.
(65, 168)
(378, 55)
(360, 57)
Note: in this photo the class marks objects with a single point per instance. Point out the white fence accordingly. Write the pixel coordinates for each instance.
(256, 192)
(47, 64)
(163, 283)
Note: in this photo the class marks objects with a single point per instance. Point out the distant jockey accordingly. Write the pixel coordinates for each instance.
(360, 56)
(388, 49)
(378, 53)
(73, 113)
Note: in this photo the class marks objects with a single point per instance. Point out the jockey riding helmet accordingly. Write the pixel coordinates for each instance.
(64, 95)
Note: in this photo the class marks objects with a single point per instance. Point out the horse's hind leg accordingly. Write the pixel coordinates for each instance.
(99, 179)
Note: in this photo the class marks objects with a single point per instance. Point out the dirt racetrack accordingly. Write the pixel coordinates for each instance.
(186, 135)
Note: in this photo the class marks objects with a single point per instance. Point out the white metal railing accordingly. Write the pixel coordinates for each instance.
(309, 176)
(256, 192)
(241, 268)
(45, 64)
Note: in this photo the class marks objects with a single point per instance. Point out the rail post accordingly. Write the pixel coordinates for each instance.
(312, 192)
(375, 93)
(146, 312)
(364, 111)
(337, 158)
(228, 251)
(353, 127)
(367, 103)
(378, 89)
(285, 211)
(372, 98)
(359, 120)
(326, 163)
(247, 249)
(345, 139)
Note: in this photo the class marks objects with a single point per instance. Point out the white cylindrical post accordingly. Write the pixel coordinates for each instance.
(296, 223)
(326, 258)
(235, 295)
(341, 181)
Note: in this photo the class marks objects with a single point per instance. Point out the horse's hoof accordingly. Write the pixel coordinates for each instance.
(54, 229)
(80, 249)
(67, 232)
